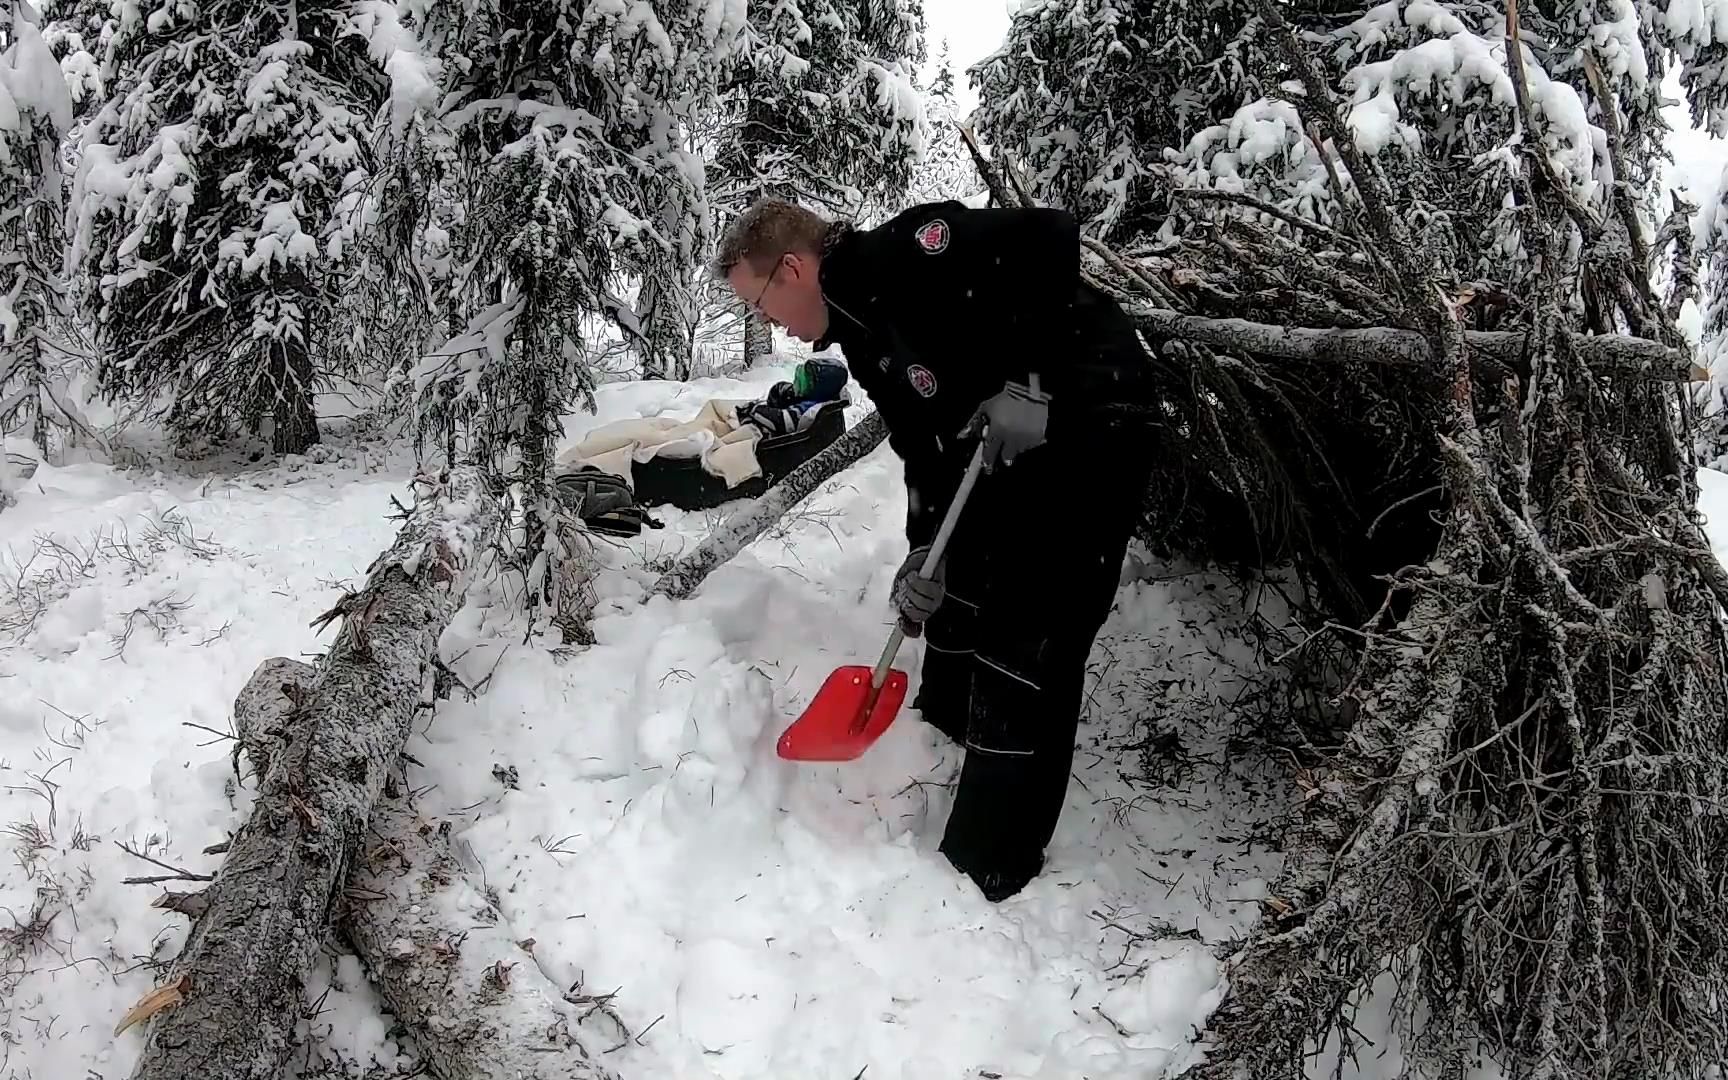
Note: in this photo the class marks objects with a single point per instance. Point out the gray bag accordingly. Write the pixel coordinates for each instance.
(603, 502)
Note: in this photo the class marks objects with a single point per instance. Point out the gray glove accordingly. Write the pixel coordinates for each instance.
(916, 598)
(1012, 421)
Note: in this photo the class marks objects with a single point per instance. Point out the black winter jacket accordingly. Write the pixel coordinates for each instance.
(939, 307)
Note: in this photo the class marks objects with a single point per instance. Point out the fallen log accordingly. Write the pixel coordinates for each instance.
(756, 517)
(230, 1003)
(442, 957)
(1391, 345)
(433, 942)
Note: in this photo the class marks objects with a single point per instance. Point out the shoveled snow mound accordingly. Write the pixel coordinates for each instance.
(760, 918)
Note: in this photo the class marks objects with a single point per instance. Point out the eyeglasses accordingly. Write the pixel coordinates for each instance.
(756, 305)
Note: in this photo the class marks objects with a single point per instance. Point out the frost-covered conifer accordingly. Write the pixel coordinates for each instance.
(76, 32)
(1711, 238)
(1111, 106)
(1087, 94)
(540, 156)
(945, 169)
(205, 205)
(35, 113)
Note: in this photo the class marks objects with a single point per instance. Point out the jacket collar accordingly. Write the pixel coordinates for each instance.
(837, 280)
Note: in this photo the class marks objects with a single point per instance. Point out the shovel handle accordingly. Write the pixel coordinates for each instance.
(928, 570)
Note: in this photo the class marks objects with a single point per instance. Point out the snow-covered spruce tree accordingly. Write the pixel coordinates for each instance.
(1398, 278)
(76, 32)
(401, 297)
(826, 112)
(1712, 395)
(1093, 95)
(35, 113)
(1088, 93)
(944, 170)
(204, 209)
(564, 158)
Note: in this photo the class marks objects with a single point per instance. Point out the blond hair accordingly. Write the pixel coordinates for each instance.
(767, 230)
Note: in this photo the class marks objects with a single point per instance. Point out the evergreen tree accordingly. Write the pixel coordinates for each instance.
(562, 168)
(1087, 94)
(1108, 105)
(944, 170)
(35, 113)
(76, 32)
(1712, 395)
(943, 85)
(826, 112)
(205, 209)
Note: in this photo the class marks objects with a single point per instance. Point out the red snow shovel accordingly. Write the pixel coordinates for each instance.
(856, 704)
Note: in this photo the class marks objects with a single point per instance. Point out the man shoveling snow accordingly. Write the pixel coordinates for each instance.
(965, 324)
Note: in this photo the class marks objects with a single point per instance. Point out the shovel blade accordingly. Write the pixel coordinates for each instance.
(834, 726)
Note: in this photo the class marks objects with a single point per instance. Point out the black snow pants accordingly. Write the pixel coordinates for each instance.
(1032, 572)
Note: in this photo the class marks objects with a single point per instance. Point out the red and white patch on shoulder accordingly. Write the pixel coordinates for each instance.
(933, 237)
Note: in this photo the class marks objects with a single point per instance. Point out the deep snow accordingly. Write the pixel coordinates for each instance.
(756, 917)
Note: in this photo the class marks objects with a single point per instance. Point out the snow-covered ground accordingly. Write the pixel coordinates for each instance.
(756, 918)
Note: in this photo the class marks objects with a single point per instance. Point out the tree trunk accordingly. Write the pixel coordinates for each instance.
(753, 519)
(1393, 345)
(433, 942)
(239, 985)
(296, 424)
(443, 959)
(667, 342)
(8, 480)
(758, 339)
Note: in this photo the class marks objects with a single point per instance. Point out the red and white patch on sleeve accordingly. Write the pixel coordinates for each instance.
(922, 380)
(933, 237)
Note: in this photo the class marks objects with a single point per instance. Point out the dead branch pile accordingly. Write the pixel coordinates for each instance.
(1491, 502)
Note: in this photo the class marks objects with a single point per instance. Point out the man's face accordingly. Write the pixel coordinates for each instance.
(786, 293)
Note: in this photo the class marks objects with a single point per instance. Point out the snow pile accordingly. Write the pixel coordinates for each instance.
(1618, 46)
(755, 917)
(1261, 143)
(414, 75)
(132, 609)
(795, 920)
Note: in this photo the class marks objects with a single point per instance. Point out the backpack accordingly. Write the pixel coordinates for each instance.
(603, 501)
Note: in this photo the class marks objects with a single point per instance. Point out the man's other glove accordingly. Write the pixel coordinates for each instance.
(1013, 422)
(914, 597)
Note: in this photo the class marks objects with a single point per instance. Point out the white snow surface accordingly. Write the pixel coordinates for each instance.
(756, 917)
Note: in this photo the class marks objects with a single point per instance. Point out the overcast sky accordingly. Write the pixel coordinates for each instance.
(973, 28)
